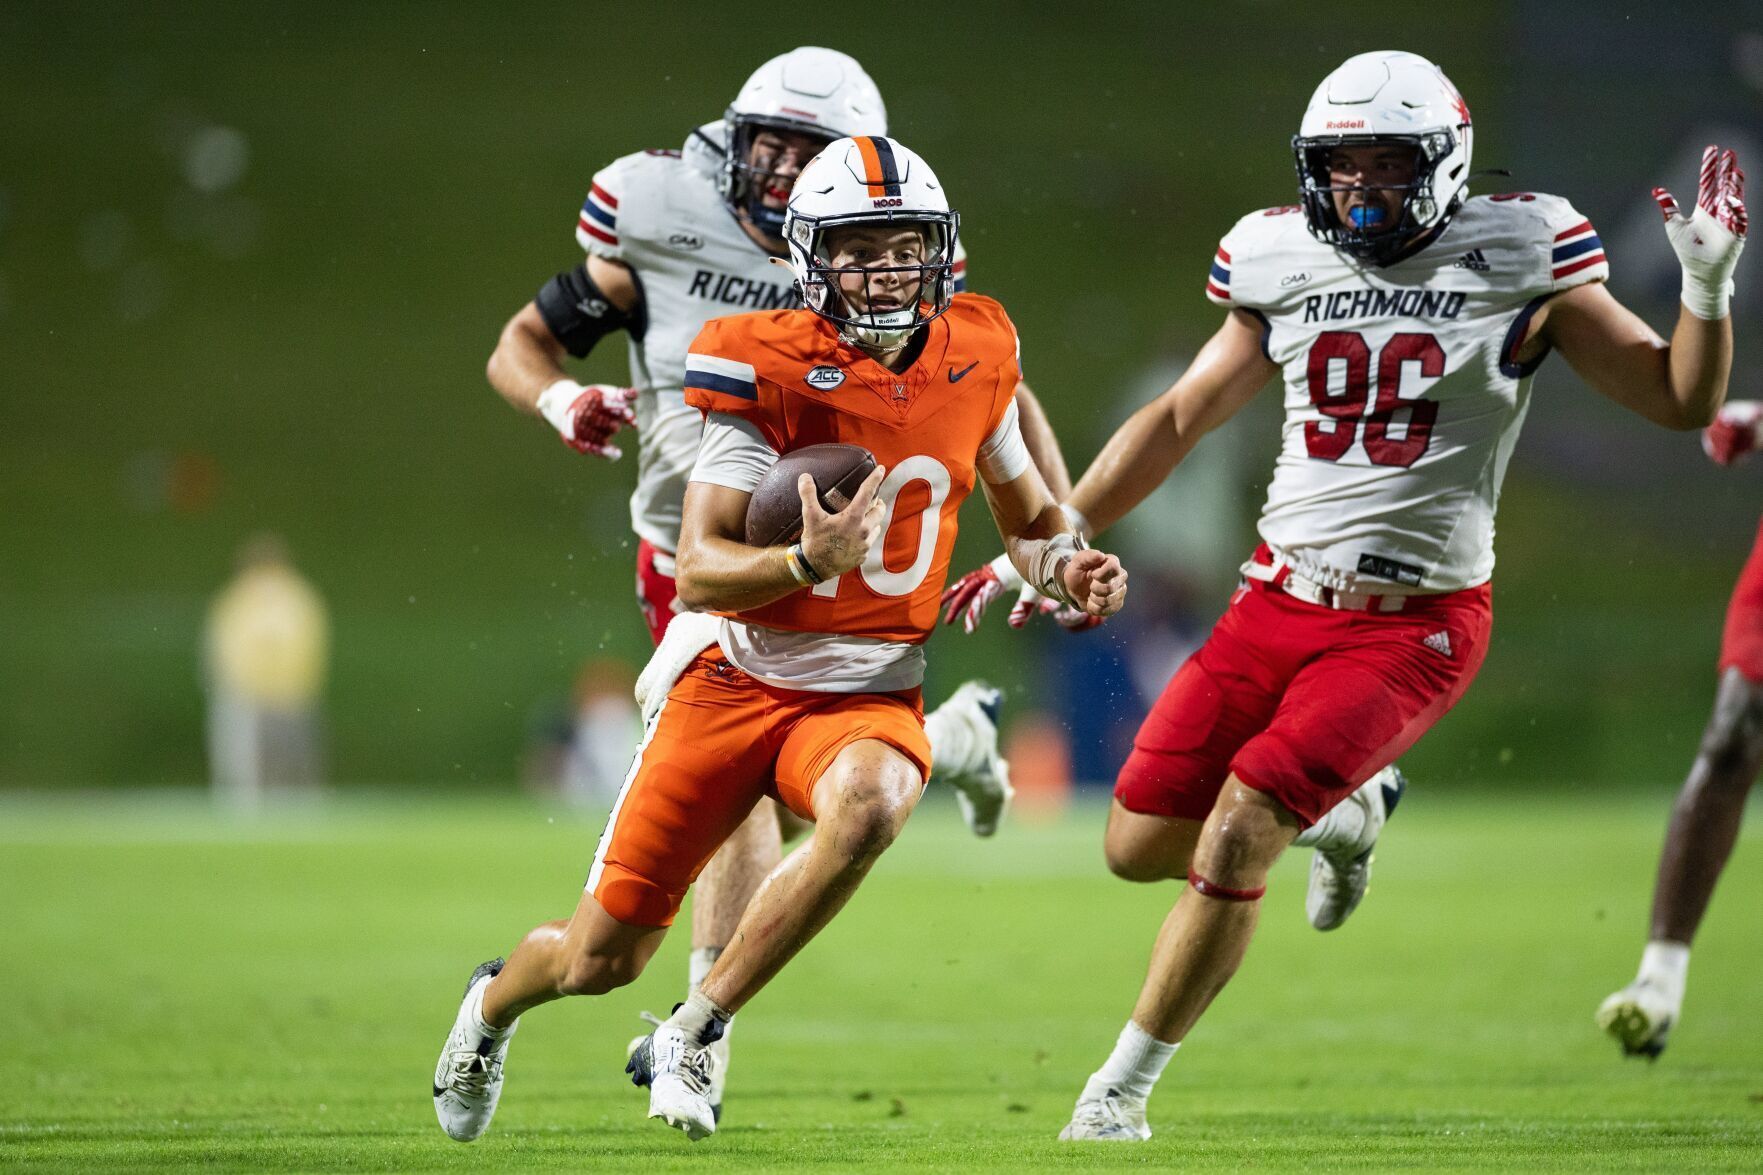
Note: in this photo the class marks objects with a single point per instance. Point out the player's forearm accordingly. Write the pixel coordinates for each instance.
(1699, 362)
(1033, 553)
(1043, 445)
(526, 361)
(721, 575)
(1134, 462)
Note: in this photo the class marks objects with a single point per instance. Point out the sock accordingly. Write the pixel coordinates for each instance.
(702, 959)
(697, 1016)
(474, 1007)
(1665, 965)
(950, 741)
(1133, 1067)
(1341, 827)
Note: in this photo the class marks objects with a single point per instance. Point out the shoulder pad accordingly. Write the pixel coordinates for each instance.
(1250, 239)
(1567, 249)
(625, 199)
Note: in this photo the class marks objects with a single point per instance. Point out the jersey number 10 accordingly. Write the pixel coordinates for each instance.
(874, 570)
(1329, 440)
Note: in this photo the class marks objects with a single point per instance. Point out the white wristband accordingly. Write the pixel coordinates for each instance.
(1009, 578)
(1705, 300)
(555, 403)
(1079, 523)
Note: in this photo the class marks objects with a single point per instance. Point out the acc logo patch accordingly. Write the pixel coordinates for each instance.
(689, 242)
(824, 377)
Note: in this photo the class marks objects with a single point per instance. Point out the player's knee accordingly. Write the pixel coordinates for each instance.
(1243, 837)
(1135, 859)
(596, 974)
(1146, 848)
(866, 806)
(1130, 866)
(1734, 738)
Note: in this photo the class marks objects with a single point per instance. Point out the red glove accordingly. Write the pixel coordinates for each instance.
(1031, 603)
(587, 417)
(970, 596)
(1734, 431)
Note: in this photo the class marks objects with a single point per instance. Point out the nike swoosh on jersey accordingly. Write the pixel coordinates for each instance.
(955, 377)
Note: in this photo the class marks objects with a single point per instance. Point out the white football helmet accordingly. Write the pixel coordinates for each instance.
(808, 90)
(871, 180)
(1381, 97)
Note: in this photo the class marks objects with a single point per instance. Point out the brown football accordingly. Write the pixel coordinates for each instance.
(774, 514)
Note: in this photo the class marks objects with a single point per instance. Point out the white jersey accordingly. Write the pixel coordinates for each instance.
(659, 212)
(1402, 394)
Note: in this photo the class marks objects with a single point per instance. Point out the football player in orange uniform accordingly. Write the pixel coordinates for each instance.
(807, 687)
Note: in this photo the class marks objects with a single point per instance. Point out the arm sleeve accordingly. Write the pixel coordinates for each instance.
(1003, 456)
(733, 453)
(596, 226)
(1576, 254)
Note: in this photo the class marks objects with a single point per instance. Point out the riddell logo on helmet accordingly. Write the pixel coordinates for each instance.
(794, 113)
(1346, 124)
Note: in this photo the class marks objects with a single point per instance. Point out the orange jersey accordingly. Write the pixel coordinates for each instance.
(789, 373)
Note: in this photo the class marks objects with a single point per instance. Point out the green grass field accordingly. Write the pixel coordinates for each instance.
(185, 990)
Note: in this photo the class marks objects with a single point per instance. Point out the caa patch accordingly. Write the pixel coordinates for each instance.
(824, 377)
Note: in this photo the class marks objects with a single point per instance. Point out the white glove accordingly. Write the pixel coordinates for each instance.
(1709, 240)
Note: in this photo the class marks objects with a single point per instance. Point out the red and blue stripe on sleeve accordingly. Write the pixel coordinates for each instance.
(1576, 249)
(1218, 281)
(598, 222)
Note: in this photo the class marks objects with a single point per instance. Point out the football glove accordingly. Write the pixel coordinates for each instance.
(1709, 240)
(1734, 431)
(587, 417)
(970, 596)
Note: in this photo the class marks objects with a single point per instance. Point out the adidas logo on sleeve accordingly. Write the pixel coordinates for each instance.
(1474, 259)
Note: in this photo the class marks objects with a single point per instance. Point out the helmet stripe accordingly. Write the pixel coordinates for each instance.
(890, 171)
(879, 169)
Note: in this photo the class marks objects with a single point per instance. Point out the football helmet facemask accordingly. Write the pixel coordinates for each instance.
(871, 181)
(808, 91)
(1377, 99)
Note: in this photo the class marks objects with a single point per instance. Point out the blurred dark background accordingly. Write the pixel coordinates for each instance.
(253, 259)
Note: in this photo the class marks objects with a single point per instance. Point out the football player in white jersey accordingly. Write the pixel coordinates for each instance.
(673, 239)
(1405, 320)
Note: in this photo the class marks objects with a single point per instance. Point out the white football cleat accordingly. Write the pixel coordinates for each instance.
(1113, 1117)
(1340, 877)
(980, 776)
(468, 1077)
(639, 1062)
(1640, 1018)
(678, 1074)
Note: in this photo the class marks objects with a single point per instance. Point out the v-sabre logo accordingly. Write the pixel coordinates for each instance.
(824, 377)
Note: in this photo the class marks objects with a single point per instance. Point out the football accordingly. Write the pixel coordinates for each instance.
(774, 514)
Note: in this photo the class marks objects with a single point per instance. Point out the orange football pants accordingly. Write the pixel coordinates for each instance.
(721, 742)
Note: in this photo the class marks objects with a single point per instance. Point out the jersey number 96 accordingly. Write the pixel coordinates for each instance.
(1329, 440)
